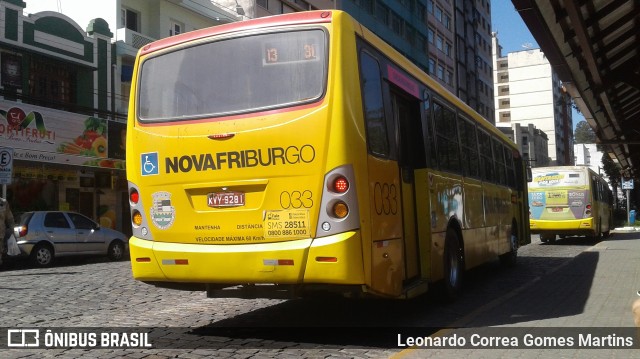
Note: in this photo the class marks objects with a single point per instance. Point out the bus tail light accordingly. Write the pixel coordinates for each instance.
(340, 185)
(136, 218)
(140, 227)
(339, 203)
(134, 196)
(588, 210)
(340, 209)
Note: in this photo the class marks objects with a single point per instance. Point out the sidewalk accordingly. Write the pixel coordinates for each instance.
(591, 294)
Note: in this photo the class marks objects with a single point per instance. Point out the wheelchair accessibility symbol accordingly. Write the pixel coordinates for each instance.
(149, 163)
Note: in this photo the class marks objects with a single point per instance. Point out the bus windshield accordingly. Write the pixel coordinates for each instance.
(558, 179)
(233, 75)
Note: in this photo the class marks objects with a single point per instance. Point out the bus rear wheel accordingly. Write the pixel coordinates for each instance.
(510, 258)
(453, 266)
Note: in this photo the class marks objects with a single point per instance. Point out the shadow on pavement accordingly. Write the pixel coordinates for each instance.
(538, 288)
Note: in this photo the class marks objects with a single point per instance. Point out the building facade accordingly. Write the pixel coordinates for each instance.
(68, 149)
(531, 142)
(474, 66)
(587, 154)
(527, 91)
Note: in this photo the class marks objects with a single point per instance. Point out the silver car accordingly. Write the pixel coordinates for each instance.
(45, 235)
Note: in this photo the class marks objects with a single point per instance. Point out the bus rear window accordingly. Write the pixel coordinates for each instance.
(243, 74)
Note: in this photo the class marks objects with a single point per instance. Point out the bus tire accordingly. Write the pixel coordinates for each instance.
(510, 258)
(597, 237)
(547, 237)
(453, 266)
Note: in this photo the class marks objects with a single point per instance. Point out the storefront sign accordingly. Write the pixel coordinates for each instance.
(48, 135)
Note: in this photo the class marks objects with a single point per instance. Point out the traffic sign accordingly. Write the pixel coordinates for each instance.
(627, 183)
(6, 165)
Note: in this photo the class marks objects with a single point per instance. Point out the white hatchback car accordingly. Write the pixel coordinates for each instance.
(45, 235)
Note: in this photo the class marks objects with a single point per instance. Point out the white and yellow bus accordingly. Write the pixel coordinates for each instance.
(297, 154)
(569, 200)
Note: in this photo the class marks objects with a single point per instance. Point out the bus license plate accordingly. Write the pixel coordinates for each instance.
(225, 199)
(556, 209)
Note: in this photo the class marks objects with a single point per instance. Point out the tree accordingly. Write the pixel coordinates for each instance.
(611, 170)
(584, 133)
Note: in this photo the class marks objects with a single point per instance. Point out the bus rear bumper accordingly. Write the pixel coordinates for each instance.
(577, 226)
(329, 260)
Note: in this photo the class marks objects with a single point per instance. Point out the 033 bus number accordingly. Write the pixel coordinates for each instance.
(385, 198)
(296, 199)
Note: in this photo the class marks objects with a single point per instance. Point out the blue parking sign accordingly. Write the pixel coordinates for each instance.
(149, 163)
(6, 165)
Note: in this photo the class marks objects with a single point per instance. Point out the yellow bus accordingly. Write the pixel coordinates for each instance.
(299, 154)
(569, 200)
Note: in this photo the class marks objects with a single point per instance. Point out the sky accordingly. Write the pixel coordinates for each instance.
(513, 34)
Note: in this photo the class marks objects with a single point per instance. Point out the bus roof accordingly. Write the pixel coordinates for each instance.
(296, 18)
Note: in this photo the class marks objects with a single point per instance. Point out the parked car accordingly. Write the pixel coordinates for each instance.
(46, 235)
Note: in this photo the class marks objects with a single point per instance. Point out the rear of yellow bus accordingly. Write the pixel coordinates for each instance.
(560, 202)
(242, 151)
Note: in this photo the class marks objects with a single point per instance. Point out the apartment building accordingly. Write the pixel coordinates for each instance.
(527, 91)
(532, 143)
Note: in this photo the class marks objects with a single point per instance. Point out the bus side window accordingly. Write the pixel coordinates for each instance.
(487, 167)
(469, 143)
(447, 139)
(498, 157)
(427, 129)
(374, 112)
(508, 161)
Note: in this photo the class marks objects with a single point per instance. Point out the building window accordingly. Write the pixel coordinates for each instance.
(176, 28)
(367, 5)
(447, 49)
(438, 14)
(52, 84)
(430, 35)
(409, 34)
(440, 72)
(447, 21)
(439, 43)
(263, 4)
(130, 19)
(303, 4)
(432, 66)
(396, 24)
(286, 9)
(448, 78)
(382, 13)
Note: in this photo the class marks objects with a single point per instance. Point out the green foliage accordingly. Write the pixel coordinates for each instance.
(584, 133)
(611, 170)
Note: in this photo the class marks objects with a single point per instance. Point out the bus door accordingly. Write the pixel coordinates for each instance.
(411, 156)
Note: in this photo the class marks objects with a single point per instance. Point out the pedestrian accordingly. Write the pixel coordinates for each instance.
(6, 225)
